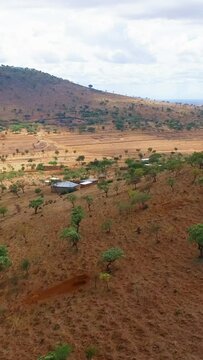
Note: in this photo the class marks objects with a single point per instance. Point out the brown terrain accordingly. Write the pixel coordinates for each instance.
(153, 307)
(41, 147)
(28, 96)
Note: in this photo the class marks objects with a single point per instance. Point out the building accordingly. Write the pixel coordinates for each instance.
(87, 182)
(63, 187)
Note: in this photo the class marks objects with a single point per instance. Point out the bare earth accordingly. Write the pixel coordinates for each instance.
(153, 310)
(42, 146)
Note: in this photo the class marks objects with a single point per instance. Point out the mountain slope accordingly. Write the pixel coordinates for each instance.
(28, 95)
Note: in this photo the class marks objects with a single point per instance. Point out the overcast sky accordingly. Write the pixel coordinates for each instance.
(148, 48)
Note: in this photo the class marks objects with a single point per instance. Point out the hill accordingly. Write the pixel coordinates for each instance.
(28, 95)
(153, 306)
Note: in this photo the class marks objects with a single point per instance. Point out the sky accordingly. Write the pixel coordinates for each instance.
(146, 48)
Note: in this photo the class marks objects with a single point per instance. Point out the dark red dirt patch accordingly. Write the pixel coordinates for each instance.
(63, 288)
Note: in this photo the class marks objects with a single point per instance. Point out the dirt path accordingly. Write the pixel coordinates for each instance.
(57, 290)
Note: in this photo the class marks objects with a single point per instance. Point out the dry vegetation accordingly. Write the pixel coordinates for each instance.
(23, 150)
(152, 307)
(29, 96)
(57, 283)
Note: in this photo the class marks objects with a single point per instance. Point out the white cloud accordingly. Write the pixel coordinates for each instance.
(148, 48)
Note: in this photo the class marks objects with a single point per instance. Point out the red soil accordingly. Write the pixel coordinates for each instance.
(57, 290)
(153, 310)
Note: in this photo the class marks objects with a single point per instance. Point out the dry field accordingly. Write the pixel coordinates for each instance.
(42, 146)
(153, 310)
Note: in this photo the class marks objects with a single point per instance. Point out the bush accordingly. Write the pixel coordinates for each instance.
(36, 203)
(77, 215)
(106, 226)
(89, 199)
(72, 234)
(3, 210)
(25, 265)
(40, 167)
(104, 186)
(5, 261)
(72, 198)
(110, 256)
(38, 191)
(60, 353)
(90, 352)
(137, 197)
(196, 235)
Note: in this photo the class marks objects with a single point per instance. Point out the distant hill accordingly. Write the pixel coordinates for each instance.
(31, 96)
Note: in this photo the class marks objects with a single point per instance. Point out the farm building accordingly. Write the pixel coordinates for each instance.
(88, 182)
(63, 187)
(52, 180)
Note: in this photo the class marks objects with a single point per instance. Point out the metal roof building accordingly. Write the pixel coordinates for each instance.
(63, 187)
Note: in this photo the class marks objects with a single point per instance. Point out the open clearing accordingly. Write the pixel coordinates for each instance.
(41, 147)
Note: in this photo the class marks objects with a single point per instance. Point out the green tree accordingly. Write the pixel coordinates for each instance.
(134, 175)
(139, 198)
(3, 210)
(80, 158)
(14, 188)
(72, 198)
(36, 203)
(21, 185)
(152, 171)
(196, 235)
(89, 199)
(174, 164)
(40, 167)
(72, 235)
(77, 214)
(38, 191)
(62, 352)
(196, 173)
(5, 261)
(196, 159)
(104, 186)
(110, 256)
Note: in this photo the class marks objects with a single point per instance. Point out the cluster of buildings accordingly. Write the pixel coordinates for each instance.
(63, 187)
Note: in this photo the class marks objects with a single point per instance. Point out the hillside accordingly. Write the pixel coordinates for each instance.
(28, 95)
(153, 307)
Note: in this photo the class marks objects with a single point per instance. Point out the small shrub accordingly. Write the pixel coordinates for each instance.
(60, 353)
(5, 261)
(196, 235)
(90, 352)
(72, 234)
(106, 226)
(25, 265)
(38, 191)
(110, 256)
(89, 199)
(72, 198)
(77, 215)
(3, 210)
